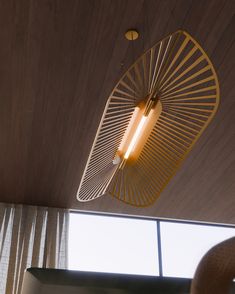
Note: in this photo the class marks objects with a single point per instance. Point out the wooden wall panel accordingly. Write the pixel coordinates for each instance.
(59, 60)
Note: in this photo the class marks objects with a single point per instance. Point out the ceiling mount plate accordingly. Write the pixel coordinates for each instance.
(131, 35)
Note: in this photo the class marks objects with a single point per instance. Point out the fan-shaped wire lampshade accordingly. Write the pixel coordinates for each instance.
(152, 119)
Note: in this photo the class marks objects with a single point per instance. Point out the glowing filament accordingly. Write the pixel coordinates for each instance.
(135, 137)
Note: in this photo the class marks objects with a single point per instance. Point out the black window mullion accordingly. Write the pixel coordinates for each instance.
(159, 246)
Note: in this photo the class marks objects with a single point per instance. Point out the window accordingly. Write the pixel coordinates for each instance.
(113, 244)
(183, 246)
(130, 245)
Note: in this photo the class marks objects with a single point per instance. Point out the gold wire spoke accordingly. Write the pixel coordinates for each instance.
(126, 191)
(189, 102)
(97, 184)
(99, 170)
(179, 73)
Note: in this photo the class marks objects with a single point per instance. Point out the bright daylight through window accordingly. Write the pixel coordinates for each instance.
(183, 246)
(112, 244)
(129, 245)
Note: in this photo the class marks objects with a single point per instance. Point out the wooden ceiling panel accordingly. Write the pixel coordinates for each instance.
(59, 61)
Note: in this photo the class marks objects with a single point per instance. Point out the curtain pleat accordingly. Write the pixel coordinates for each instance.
(4, 218)
(39, 237)
(30, 236)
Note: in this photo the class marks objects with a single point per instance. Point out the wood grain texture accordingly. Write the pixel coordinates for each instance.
(59, 61)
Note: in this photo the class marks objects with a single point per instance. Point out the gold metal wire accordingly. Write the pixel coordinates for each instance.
(182, 75)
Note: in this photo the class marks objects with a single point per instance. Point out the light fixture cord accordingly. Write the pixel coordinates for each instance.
(133, 59)
(146, 36)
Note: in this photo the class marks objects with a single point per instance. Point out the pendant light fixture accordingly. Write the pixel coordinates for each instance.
(152, 119)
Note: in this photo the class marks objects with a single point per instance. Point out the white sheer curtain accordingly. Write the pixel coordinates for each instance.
(30, 236)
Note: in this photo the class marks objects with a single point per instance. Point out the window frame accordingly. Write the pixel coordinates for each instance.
(158, 221)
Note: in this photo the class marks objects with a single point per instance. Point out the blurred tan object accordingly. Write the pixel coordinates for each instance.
(216, 270)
